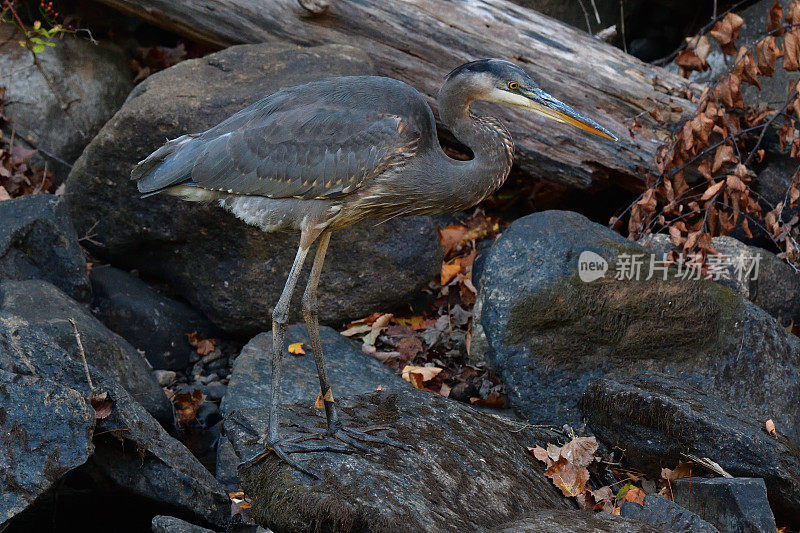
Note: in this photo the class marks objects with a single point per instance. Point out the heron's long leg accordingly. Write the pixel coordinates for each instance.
(280, 316)
(311, 315)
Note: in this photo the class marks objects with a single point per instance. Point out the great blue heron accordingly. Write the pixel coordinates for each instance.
(324, 155)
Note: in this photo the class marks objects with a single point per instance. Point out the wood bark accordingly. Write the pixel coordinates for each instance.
(420, 41)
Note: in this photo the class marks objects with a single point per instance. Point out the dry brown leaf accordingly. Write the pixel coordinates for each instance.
(296, 348)
(681, 471)
(319, 403)
(569, 478)
(102, 405)
(495, 399)
(4, 194)
(417, 375)
(770, 427)
(723, 155)
(711, 191)
(450, 271)
(791, 48)
(541, 454)
(187, 404)
(635, 495)
(726, 31)
(580, 451)
(202, 345)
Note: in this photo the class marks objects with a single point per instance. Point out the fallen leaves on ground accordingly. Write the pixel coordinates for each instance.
(296, 348)
(102, 405)
(201, 344)
(770, 427)
(438, 334)
(418, 375)
(187, 404)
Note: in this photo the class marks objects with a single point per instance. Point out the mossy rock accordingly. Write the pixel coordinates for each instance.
(465, 471)
(548, 334)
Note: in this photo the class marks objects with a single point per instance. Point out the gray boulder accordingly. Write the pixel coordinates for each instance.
(46, 431)
(170, 524)
(151, 322)
(557, 521)
(663, 513)
(734, 505)
(351, 372)
(465, 470)
(41, 305)
(656, 419)
(459, 455)
(133, 457)
(92, 81)
(233, 272)
(548, 334)
(774, 285)
(37, 241)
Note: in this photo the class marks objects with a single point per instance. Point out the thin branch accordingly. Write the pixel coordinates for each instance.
(83, 355)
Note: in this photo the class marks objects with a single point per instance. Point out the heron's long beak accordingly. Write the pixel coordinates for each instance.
(542, 103)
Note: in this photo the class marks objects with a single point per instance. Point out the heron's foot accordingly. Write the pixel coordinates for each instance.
(291, 446)
(353, 437)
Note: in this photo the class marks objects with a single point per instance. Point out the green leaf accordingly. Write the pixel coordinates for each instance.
(37, 49)
(37, 40)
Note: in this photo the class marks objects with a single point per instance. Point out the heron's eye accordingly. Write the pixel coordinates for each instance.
(513, 85)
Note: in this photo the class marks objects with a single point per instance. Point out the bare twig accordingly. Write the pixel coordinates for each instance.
(83, 355)
(586, 16)
(622, 25)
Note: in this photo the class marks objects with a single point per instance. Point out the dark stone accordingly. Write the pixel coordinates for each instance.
(465, 471)
(350, 370)
(734, 505)
(93, 79)
(45, 431)
(657, 418)
(233, 272)
(43, 306)
(170, 524)
(665, 514)
(37, 241)
(548, 334)
(153, 323)
(134, 457)
(557, 521)
(776, 287)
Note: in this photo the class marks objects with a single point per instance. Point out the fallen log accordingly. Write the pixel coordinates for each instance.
(419, 41)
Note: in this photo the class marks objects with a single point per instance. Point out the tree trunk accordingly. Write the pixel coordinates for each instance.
(420, 41)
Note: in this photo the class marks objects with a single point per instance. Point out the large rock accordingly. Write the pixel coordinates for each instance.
(134, 458)
(46, 431)
(772, 284)
(233, 272)
(557, 521)
(465, 470)
(91, 80)
(459, 455)
(548, 333)
(43, 306)
(37, 241)
(151, 322)
(735, 505)
(351, 372)
(663, 513)
(656, 419)
(170, 524)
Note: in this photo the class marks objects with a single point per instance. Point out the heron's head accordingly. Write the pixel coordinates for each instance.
(503, 82)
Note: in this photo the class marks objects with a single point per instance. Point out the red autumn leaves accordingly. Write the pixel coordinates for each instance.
(707, 167)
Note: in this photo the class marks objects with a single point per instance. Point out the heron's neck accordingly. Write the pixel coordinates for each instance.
(488, 139)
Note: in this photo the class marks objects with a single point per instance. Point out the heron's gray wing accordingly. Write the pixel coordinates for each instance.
(316, 151)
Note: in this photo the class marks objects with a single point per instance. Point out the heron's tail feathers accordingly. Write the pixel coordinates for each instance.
(169, 165)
